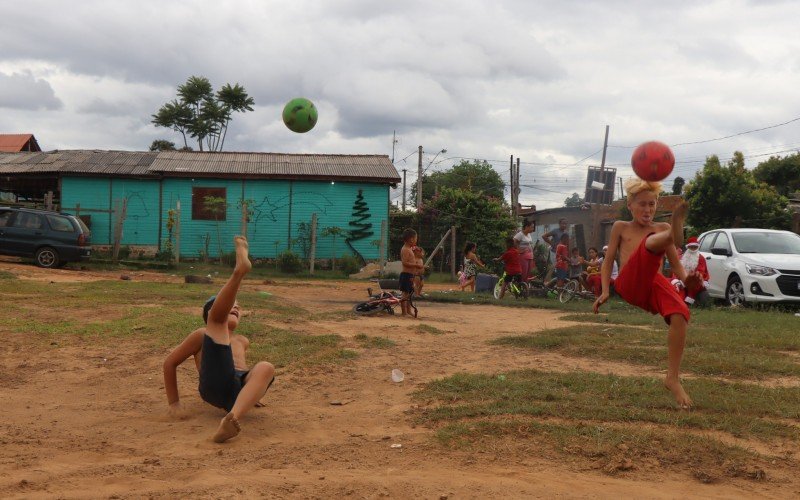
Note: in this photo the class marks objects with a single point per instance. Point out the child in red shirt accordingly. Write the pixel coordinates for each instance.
(562, 260)
(512, 265)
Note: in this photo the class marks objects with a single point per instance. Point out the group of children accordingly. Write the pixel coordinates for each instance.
(641, 245)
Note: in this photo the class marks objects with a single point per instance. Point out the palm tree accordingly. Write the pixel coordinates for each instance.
(203, 114)
(234, 100)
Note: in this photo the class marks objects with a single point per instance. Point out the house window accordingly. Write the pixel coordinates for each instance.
(202, 210)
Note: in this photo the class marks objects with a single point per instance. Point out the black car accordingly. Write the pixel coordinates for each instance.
(51, 238)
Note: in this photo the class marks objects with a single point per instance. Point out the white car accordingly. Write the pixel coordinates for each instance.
(752, 265)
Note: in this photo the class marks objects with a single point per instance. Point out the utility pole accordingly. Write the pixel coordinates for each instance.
(394, 141)
(511, 184)
(419, 180)
(517, 190)
(603, 161)
(404, 190)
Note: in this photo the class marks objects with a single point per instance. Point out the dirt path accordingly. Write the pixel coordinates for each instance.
(88, 421)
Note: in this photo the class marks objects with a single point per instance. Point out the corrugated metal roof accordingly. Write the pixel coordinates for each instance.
(373, 168)
(369, 168)
(130, 163)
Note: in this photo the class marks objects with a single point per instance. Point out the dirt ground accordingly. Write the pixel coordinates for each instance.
(88, 421)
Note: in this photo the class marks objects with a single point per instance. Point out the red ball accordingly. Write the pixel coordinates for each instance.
(653, 161)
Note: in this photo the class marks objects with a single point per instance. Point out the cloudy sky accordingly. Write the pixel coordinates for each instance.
(539, 80)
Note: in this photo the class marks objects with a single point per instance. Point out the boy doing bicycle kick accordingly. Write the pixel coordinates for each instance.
(511, 264)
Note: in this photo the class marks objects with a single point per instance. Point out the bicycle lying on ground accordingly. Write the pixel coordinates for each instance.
(573, 289)
(384, 300)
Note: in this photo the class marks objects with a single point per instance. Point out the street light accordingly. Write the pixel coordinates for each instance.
(420, 172)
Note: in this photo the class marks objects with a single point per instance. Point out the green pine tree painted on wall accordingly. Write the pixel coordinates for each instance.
(359, 227)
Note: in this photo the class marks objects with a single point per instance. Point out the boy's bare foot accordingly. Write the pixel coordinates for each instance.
(228, 428)
(243, 264)
(678, 218)
(674, 386)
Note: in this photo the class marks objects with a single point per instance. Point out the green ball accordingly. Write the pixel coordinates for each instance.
(300, 115)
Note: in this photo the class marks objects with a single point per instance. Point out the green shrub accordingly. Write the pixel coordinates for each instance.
(165, 255)
(124, 252)
(349, 264)
(289, 262)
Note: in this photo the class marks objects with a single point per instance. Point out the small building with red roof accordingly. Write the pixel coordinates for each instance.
(16, 143)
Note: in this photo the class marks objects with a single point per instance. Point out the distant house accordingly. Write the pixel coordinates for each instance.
(590, 224)
(15, 143)
(282, 190)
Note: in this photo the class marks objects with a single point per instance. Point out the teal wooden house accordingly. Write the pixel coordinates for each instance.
(280, 192)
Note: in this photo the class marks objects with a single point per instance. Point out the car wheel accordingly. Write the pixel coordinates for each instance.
(734, 293)
(47, 257)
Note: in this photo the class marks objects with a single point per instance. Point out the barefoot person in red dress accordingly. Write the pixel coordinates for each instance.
(642, 244)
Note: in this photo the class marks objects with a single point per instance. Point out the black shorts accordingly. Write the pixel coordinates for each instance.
(406, 282)
(513, 277)
(220, 382)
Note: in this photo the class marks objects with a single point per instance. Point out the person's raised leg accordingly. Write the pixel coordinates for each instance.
(676, 341)
(659, 242)
(217, 326)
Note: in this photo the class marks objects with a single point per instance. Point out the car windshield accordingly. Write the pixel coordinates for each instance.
(764, 242)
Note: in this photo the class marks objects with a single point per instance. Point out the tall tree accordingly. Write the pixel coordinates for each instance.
(478, 218)
(677, 185)
(203, 114)
(162, 145)
(730, 196)
(477, 176)
(781, 173)
(573, 201)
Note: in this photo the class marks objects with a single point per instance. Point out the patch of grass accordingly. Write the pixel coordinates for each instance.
(737, 409)
(743, 322)
(608, 447)
(345, 315)
(425, 328)
(707, 352)
(5, 275)
(161, 314)
(374, 342)
(283, 348)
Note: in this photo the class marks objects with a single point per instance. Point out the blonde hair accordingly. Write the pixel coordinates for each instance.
(635, 185)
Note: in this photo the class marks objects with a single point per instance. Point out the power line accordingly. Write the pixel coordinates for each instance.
(722, 138)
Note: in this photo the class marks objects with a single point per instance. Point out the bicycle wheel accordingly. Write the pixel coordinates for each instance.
(521, 290)
(368, 308)
(498, 287)
(568, 291)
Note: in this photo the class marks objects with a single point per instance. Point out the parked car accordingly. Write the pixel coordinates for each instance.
(752, 265)
(51, 238)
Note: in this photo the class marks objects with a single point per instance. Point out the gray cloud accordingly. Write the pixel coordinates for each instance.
(537, 79)
(24, 91)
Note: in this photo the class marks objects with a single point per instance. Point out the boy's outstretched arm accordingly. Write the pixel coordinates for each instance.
(226, 298)
(190, 346)
(608, 265)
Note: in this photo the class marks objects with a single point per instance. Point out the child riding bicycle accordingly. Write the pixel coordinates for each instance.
(511, 265)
